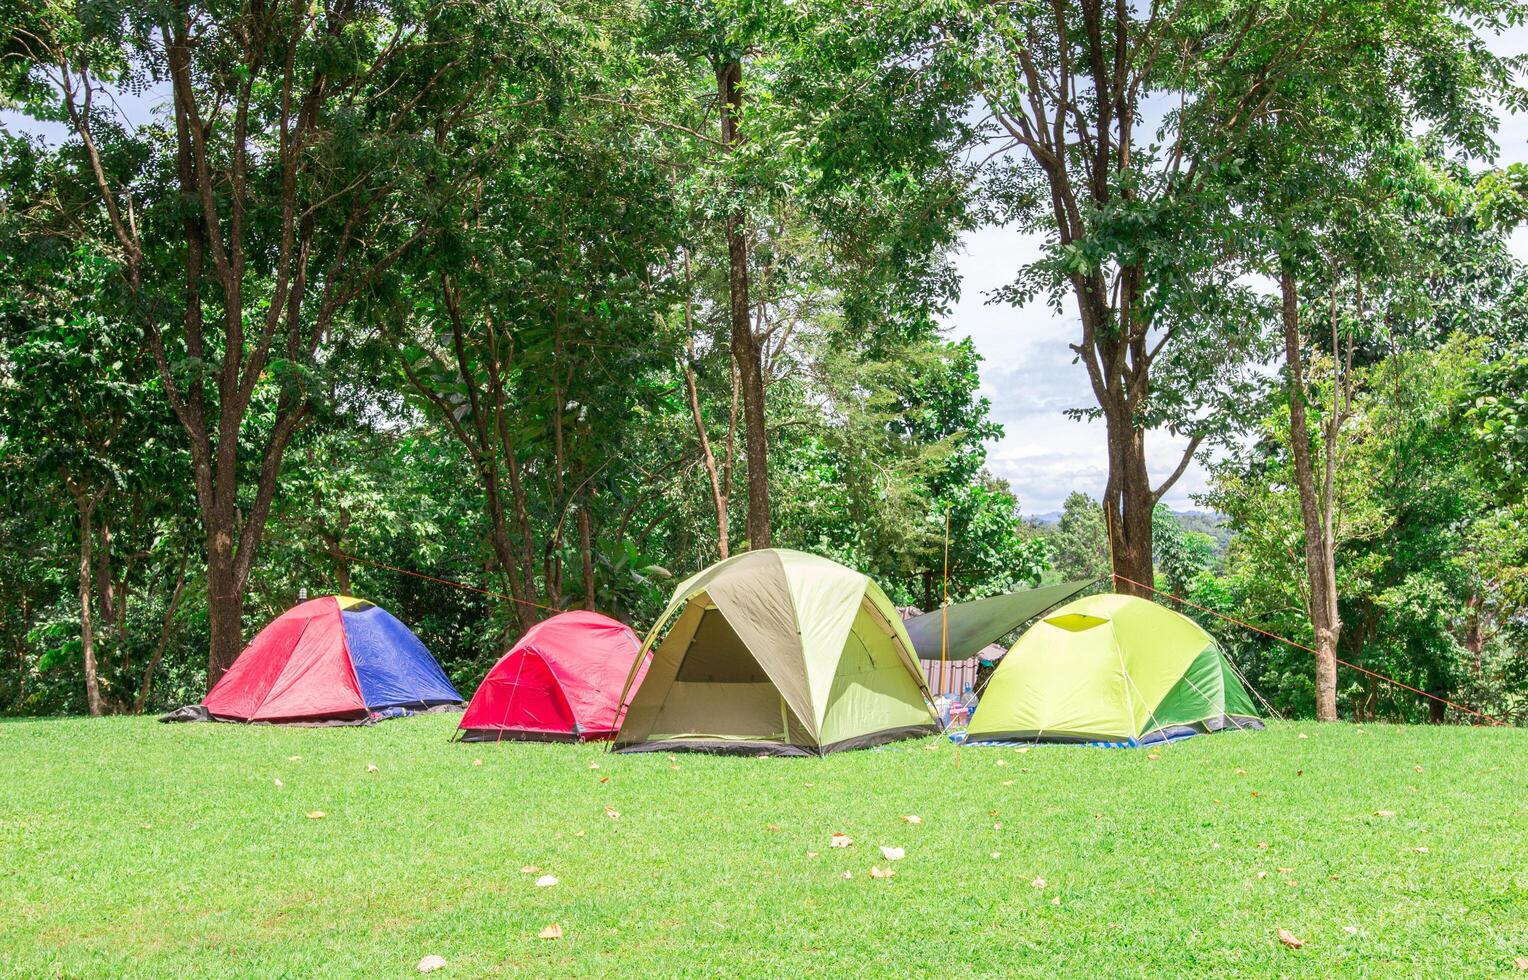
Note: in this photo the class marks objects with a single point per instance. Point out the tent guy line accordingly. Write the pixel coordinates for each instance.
(1300, 646)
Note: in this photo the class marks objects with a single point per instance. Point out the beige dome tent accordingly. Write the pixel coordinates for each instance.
(777, 651)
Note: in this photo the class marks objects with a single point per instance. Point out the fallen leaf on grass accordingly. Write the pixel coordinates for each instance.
(840, 840)
(1285, 871)
(1241, 772)
(848, 874)
(811, 854)
(1290, 939)
(1056, 900)
(772, 827)
(1350, 930)
(316, 814)
(1214, 845)
(998, 825)
(553, 931)
(294, 758)
(1022, 749)
(893, 853)
(1007, 782)
(279, 783)
(594, 765)
(431, 963)
(578, 833)
(530, 869)
(1521, 962)
(675, 768)
(1303, 735)
(912, 818)
(996, 855)
(1417, 768)
(1153, 756)
(604, 779)
(882, 872)
(1256, 793)
(1420, 850)
(546, 881)
(1262, 845)
(612, 813)
(477, 762)
(1038, 883)
(1002, 762)
(1384, 813)
(370, 767)
(1261, 875)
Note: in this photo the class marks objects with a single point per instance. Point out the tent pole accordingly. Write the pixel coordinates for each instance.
(944, 608)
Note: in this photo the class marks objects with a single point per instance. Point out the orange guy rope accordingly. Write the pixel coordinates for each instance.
(446, 581)
(1301, 646)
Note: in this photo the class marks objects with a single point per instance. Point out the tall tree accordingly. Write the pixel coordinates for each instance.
(299, 149)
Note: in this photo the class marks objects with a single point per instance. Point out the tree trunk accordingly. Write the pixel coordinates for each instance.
(718, 497)
(746, 351)
(1320, 557)
(586, 550)
(225, 600)
(1128, 501)
(166, 628)
(86, 502)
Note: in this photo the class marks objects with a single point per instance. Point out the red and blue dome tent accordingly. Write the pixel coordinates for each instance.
(332, 660)
(561, 682)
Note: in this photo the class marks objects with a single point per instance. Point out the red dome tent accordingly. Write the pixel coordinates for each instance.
(561, 683)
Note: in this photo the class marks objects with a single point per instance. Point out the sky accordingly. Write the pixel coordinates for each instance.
(1031, 381)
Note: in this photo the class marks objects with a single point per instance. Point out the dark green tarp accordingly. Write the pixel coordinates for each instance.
(975, 624)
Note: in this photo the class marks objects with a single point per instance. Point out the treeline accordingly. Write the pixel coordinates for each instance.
(562, 300)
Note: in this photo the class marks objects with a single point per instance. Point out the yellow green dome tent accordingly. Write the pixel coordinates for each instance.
(1112, 668)
(776, 651)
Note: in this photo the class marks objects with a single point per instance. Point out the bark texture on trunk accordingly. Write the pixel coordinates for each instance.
(85, 501)
(746, 350)
(1320, 556)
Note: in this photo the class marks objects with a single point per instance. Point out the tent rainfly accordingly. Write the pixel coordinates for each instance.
(561, 682)
(336, 659)
(1114, 669)
(778, 652)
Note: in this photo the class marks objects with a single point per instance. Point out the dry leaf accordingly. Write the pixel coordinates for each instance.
(1303, 735)
(1290, 939)
(772, 827)
(893, 853)
(1350, 930)
(294, 758)
(1261, 875)
(1521, 962)
(1262, 845)
(1420, 850)
(604, 779)
(1153, 756)
(840, 840)
(1384, 813)
(998, 825)
(996, 855)
(881, 872)
(431, 963)
(811, 854)
(1002, 762)
(912, 818)
(1256, 793)
(1007, 782)
(545, 881)
(1056, 900)
(1417, 768)
(675, 768)
(1214, 845)
(530, 869)
(553, 931)
(807, 785)
(1022, 749)
(1241, 772)
(594, 765)
(612, 813)
(370, 767)
(279, 783)
(1038, 882)
(848, 874)
(477, 762)
(315, 814)
(1214, 800)
(1285, 871)
(578, 833)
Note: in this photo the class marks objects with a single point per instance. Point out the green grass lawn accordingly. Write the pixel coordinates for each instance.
(129, 847)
